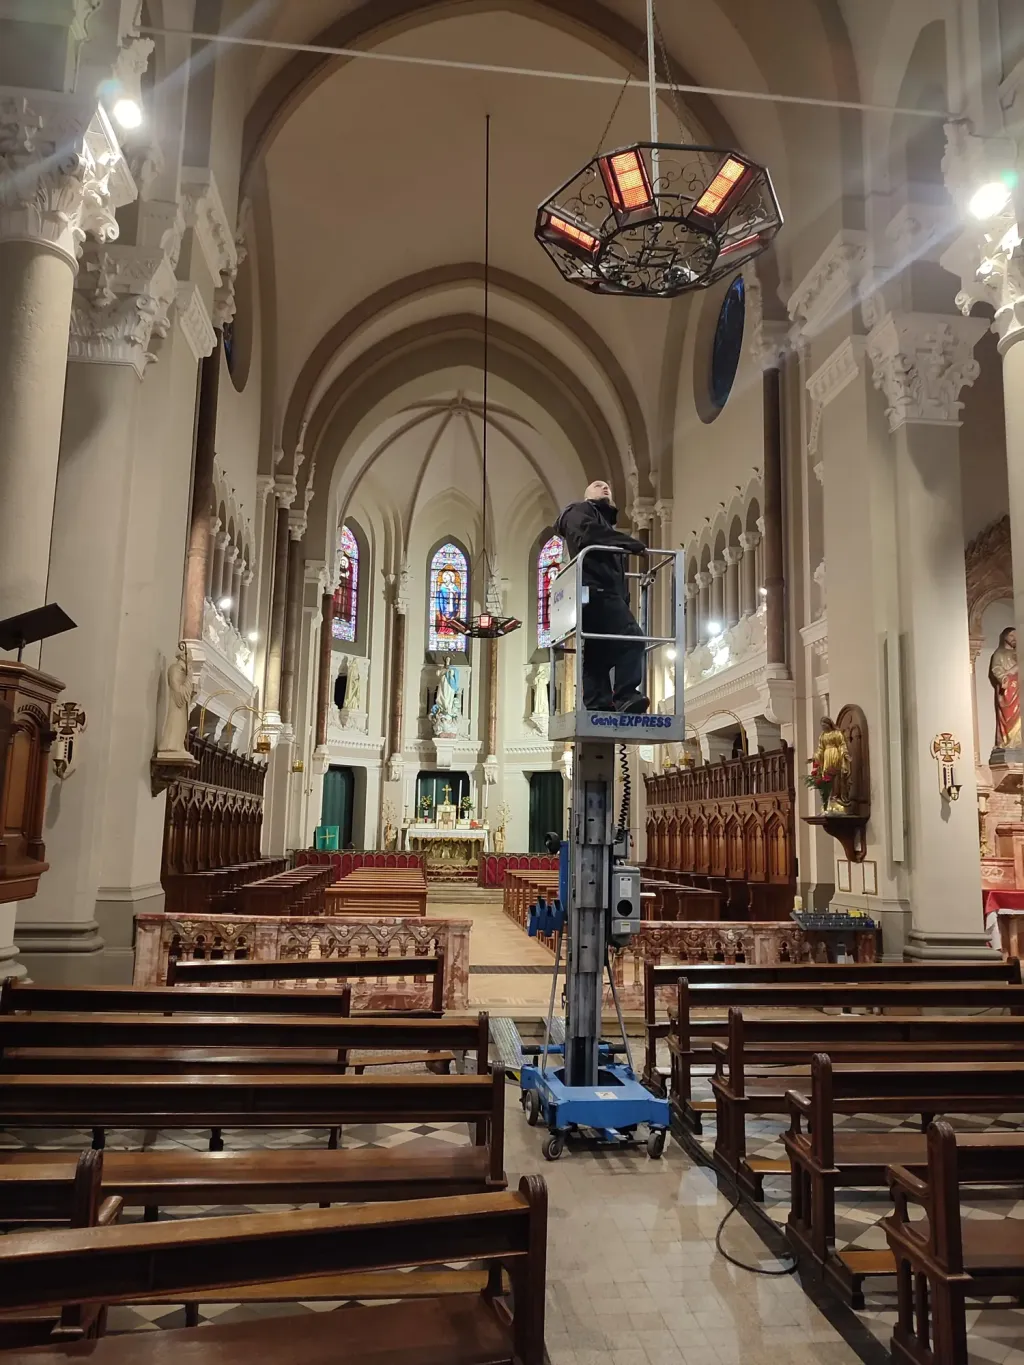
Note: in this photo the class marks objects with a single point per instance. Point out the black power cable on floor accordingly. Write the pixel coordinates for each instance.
(743, 1265)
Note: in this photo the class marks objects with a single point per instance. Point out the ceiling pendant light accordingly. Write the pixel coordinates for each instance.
(658, 219)
(490, 624)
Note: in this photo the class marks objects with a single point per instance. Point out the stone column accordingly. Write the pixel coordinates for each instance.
(285, 493)
(323, 681)
(492, 699)
(703, 581)
(293, 616)
(692, 609)
(759, 562)
(204, 524)
(64, 177)
(733, 558)
(104, 479)
(209, 553)
(400, 608)
(235, 612)
(717, 567)
(749, 541)
(245, 624)
(220, 549)
(920, 363)
(228, 581)
(774, 578)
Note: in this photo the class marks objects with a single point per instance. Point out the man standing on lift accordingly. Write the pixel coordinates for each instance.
(607, 612)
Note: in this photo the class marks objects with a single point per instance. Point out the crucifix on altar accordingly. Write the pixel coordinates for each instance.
(446, 792)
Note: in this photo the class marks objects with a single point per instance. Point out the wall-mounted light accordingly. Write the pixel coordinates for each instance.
(253, 636)
(714, 629)
(990, 199)
(763, 592)
(128, 112)
(225, 604)
(670, 653)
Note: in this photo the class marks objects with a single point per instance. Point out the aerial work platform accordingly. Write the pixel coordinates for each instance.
(578, 1087)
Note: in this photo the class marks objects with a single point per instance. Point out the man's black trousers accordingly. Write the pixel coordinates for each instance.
(610, 615)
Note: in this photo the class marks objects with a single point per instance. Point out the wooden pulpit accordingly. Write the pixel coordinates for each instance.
(27, 698)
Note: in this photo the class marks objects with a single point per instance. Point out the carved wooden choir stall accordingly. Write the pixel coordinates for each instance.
(213, 820)
(728, 827)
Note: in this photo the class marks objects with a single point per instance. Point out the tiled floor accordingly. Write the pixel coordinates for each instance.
(633, 1276)
(996, 1335)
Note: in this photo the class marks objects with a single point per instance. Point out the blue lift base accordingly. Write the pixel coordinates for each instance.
(610, 1111)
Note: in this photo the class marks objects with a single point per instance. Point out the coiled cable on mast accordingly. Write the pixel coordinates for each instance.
(625, 800)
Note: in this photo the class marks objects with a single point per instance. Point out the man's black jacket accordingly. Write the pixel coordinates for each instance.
(593, 523)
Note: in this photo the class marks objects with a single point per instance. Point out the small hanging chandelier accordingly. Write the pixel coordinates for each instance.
(491, 624)
(658, 219)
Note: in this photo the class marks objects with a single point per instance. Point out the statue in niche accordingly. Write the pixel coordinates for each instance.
(181, 691)
(354, 686)
(444, 714)
(831, 769)
(1004, 677)
(540, 690)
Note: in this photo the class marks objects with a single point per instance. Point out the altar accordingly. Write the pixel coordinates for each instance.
(449, 854)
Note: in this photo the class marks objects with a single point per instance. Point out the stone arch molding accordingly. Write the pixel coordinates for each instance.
(534, 322)
(701, 546)
(372, 388)
(377, 21)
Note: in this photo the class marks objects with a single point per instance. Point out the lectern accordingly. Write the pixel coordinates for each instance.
(27, 697)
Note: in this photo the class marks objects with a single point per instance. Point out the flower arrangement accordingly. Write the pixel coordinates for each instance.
(820, 780)
(466, 805)
(426, 805)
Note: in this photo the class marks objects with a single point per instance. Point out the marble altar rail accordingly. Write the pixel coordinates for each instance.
(159, 937)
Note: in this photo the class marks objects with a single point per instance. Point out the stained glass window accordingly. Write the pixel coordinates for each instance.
(727, 346)
(549, 561)
(346, 594)
(449, 596)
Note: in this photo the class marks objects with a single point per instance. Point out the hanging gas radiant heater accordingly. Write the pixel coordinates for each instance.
(659, 218)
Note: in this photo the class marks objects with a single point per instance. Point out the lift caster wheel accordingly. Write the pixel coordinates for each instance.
(553, 1147)
(656, 1145)
(532, 1108)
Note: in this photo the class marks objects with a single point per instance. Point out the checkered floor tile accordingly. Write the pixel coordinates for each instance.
(154, 1317)
(996, 1334)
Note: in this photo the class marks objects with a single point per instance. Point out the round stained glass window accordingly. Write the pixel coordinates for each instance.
(728, 343)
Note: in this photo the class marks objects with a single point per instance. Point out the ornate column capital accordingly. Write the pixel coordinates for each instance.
(231, 555)
(285, 489)
(920, 362)
(223, 540)
(399, 585)
(641, 512)
(717, 567)
(829, 380)
(296, 525)
(830, 288)
(750, 540)
(205, 215)
(702, 579)
(247, 576)
(122, 299)
(985, 257)
(732, 554)
(264, 485)
(692, 590)
(62, 174)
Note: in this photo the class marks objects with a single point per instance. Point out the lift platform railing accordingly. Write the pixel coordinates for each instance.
(568, 596)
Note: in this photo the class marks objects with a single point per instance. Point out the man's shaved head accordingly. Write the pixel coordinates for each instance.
(598, 490)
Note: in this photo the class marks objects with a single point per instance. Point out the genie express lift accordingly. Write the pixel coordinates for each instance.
(579, 1086)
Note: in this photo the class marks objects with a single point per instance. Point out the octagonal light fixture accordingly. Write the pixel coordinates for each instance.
(659, 219)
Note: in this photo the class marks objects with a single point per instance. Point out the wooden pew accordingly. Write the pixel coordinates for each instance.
(947, 1259)
(136, 1264)
(17, 997)
(759, 1062)
(297, 891)
(228, 970)
(218, 1102)
(197, 894)
(691, 1039)
(379, 891)
(824, 1158)
(60, 1189)
(668, 976)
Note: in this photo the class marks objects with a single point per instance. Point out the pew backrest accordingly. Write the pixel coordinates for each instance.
(224, 971)
(17, 998)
